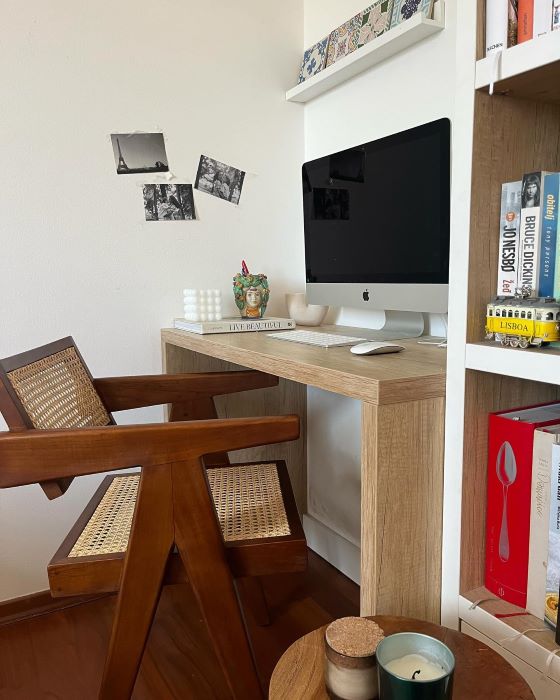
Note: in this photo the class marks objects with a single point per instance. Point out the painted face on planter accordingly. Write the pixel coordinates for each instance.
(253, 298)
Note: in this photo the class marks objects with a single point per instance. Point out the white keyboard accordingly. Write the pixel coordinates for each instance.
(323, 340)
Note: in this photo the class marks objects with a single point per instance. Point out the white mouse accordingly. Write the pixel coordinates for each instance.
(374, 348)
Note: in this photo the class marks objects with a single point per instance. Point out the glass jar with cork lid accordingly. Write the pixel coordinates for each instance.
(350, 663)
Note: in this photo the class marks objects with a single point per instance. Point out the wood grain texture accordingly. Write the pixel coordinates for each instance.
(287, 397)
(150, 543)
(480, 672)
(35, 604)
(511, 137)
(485, 393)
(60, 655)
(36, 455)
(419, 371)
(402, 502)
(541, 84)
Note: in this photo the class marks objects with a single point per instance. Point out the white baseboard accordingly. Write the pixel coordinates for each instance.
(337, 550)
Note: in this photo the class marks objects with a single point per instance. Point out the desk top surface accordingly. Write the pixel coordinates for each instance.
(416, 373)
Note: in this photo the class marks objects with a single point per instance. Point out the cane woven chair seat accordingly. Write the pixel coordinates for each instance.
(248, 502)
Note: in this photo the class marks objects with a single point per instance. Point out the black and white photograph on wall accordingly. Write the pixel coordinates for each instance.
(221, 180)
(139, 153)
(168, 202)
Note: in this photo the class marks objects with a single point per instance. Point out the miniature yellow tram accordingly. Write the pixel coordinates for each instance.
(520, 322)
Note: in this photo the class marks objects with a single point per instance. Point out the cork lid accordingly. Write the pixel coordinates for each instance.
(354, 636)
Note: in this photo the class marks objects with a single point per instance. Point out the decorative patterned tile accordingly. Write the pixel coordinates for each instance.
(344, 39)
(313, 60)
(404, 9)
(375, 20)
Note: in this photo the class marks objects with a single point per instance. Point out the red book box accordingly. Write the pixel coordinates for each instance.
(510, 462)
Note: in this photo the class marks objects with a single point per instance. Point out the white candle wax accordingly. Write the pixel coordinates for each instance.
(406, 667)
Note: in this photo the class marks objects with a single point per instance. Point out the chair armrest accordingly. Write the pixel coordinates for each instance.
(121, 393)
(42, 455)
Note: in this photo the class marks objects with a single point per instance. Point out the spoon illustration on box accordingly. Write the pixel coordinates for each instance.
(506, 469)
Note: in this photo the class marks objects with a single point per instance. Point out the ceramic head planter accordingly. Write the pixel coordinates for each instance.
(251, 293)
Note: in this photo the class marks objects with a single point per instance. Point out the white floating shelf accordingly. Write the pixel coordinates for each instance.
(538, 365)
(392, 42)
(529, 69)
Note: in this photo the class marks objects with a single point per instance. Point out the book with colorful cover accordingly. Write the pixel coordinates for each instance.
(508, 259)
(234, 325)
(549, 235)
(530, 228)
(553, 566)
(525, 20)
(512, 22)
(509, 477)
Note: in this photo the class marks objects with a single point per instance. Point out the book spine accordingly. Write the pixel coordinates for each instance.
(553, 567)
(512, 22)
(496, 25)
(538, 531)
(542, 18)
(529, 232)
(234, 326)
(524, 21)
(508, 259)
(510, 458)
(549, 232)
(556, 15)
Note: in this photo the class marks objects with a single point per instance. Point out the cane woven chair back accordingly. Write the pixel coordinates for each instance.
(49, 388)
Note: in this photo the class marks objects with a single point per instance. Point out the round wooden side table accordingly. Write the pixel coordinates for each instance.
(480, 673)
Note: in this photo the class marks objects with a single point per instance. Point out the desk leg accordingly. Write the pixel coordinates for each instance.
(402, 494)
(287, 397)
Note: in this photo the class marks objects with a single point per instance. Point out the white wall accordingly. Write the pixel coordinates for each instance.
(77, 256)
(411, 88)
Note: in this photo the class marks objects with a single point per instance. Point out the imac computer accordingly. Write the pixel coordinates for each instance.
(376, 223)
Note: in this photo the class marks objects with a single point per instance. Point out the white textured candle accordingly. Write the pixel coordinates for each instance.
(406, 667)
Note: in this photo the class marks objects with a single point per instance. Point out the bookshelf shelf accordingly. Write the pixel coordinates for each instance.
(533, 648)
(530, 70)
(538, 365)
(392, 42)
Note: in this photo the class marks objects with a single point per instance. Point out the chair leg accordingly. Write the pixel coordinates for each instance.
(149, 546)
(251, 592)
(200, 545)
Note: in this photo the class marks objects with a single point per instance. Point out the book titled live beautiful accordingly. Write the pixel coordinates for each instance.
(234, 325)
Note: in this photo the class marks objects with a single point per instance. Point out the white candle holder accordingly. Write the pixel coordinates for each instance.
(202, 304)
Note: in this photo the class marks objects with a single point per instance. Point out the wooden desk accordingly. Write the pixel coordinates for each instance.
(480, 673)
(402, 399)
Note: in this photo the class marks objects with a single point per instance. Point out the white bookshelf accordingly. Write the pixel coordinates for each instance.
(537, 365)
(529, 69)
(392, 42)
(495, 139)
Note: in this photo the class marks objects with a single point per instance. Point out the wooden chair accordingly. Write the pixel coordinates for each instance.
(188, 515)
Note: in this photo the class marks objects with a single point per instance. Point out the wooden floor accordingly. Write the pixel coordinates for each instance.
(60, 655)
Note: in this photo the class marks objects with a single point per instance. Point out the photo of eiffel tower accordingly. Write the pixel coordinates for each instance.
(122, 167)
(139, 153)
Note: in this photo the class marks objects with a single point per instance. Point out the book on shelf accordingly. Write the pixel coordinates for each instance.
(530, 231)
(508, 259)
(509, 477)
(542, 18)
(497, 14)
(525, 16)
(234, 325)
(549, 236)
(512, 23)
(555, 14)
(553, 564)
(543, 440)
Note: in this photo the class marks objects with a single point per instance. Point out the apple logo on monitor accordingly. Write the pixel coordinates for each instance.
(365, 295)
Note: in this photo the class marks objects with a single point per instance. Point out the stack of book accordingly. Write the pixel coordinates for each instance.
(511, 22)
(523, 512)
(529, 250)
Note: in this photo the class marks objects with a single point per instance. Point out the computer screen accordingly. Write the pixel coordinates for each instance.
(378, 213)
